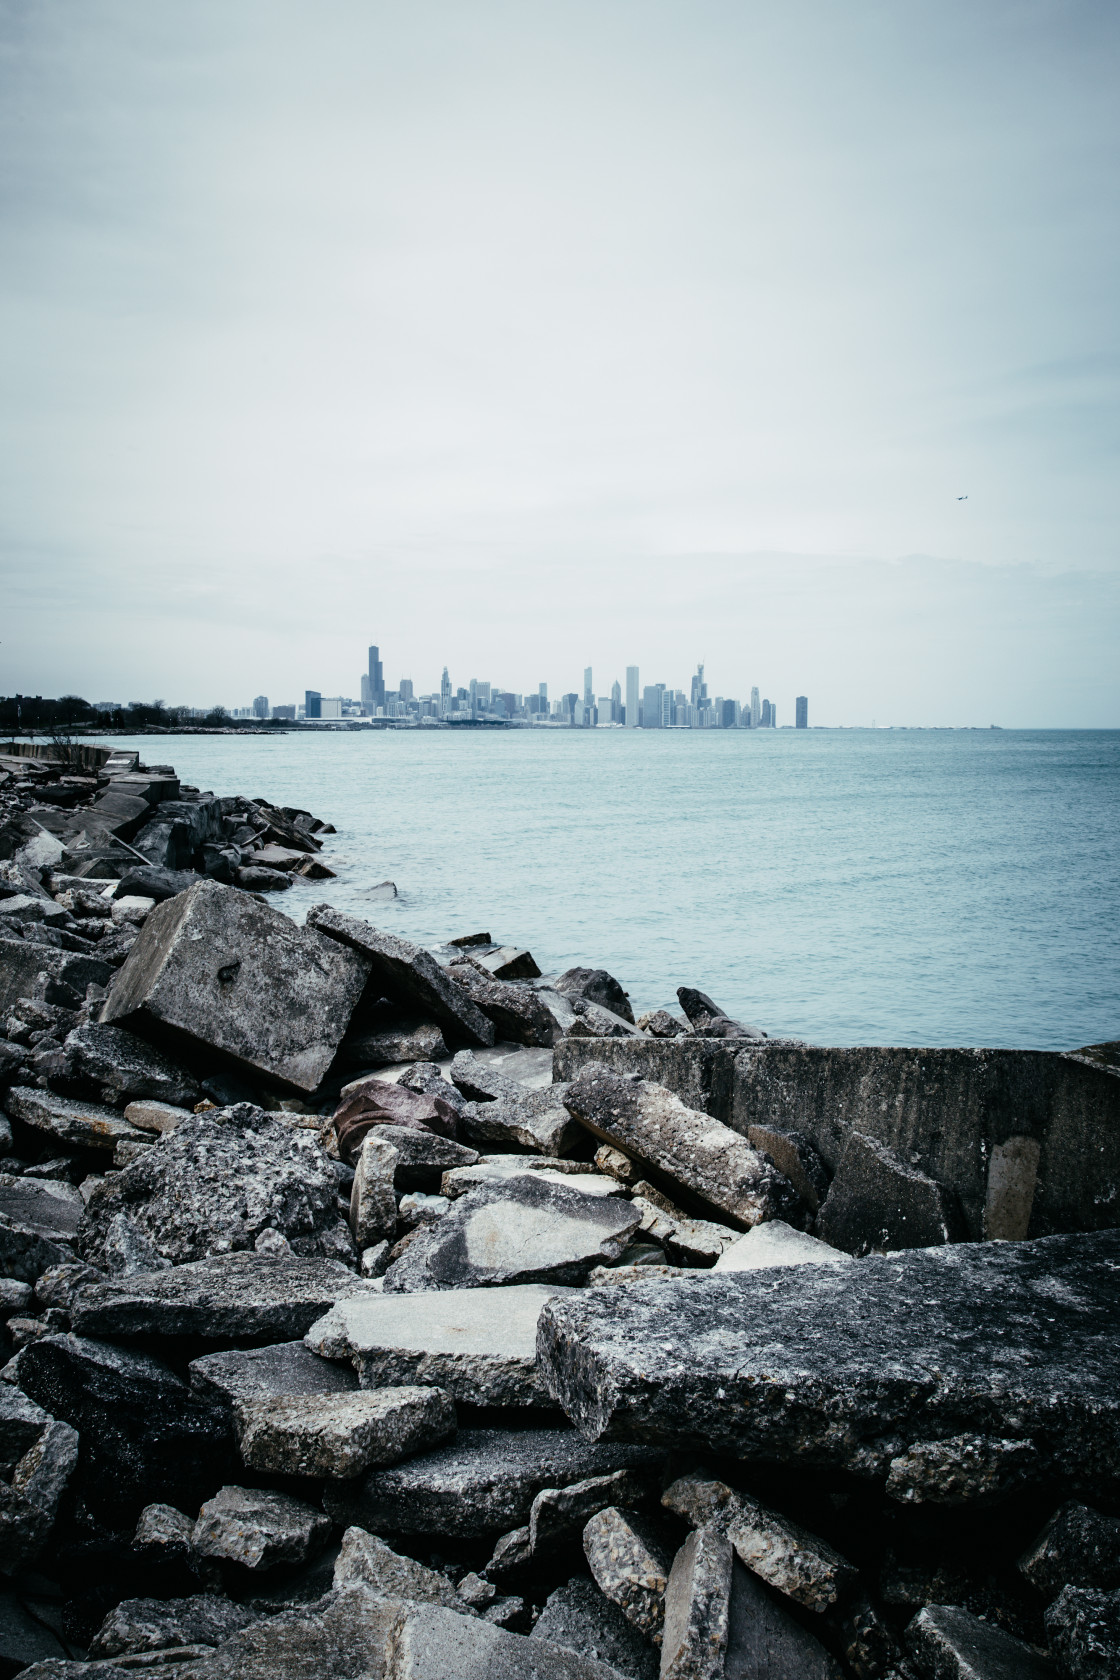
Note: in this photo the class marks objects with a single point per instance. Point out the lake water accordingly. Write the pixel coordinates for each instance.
(854, 887)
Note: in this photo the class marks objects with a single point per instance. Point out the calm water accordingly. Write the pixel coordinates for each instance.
(857, 887)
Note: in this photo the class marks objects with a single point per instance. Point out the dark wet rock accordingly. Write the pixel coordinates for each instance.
(258, 1529)
(228, 1297)
(793, 1154)
(15, 1297)
(1083, 1628)
(857, 1365)
(707, 1019)
(22, 1422)
(960, 1468)
(163, 1534)
(39, 1220)
(80, 1125)
(516, 1012)
(214, 969)
(559, 1513)
(30, 970)
(423, 1157)
(281, 1370)
(420, 1043)
(578, 1617)
(688, 1148)
(1078, 1548)
(510, 962)
(868, 1645)
(591, 1020)
(483, 1483)
(597, 986)
(366, 1558)
(372, 1103)
(153, 1624)
(878, 1202)
(660, 1024)
(14, 1059)
(697, 1607)
(59, 1286)
(29, 1502)
(408, 975)
(764, 1642)
(340, 1436)
(159, 884)
(436, 1644)
(952, 1644)
(216, 1183)
(28, 1642)
(525, 1230)
(118, 1067)
(630, 1557)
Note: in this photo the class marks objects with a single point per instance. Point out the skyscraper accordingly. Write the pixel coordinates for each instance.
(756, 709)
(616, 703)
(765, 714)
(588, 690)
(376, 680)
(631, 697)
(802, 720)
(312, 703)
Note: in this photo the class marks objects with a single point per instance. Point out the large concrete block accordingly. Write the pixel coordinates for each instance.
(28, 969)
(215, 970)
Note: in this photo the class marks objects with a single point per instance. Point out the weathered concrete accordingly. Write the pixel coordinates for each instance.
(765, 1643)
(580, 1618)
(373, 1206)
(697, 1606)
(952, 1644)
(436, 1644)
(423, 1157)
(558, 1513)
(422, 1042)
(366, 1558)
(38, 1224)
(30, 970)
(280, 1369)
(340, 1436)
(1078, 1548)
(778, 1244)
(630, 1558)
(153, 1624)
(81, 1125)
(879, 1202)
(597, 986)
(121, 1067)
(517, 1013)
(258, 1529)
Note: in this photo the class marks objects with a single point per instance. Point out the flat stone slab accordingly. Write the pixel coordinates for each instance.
(581, 1618)
(80, 1124)
(858, 1366)
(495, 1169)
(52, 1209)
(483, 1483)
(268, 1373)
(478, 1344)
(231, 1297)
(341, 1436)
(952, 1642)
(258, 1529)
(366, 1558)
(778, 1244)
(436, 1644)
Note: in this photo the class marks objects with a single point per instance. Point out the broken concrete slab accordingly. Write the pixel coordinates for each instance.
(258, 1529)
(497, 1169)
(1078, 1547)
(436, 1644)
(597, 986)
(406, 974)
(580, 1618)
(36, 1207)
(154, 1624)
(479, 1345)
(29, 1502)
(366, 1558)
(80, 1125)
(215, 970)
(559, 1513)
(517, 1013)
(950, 1642)
(535, 1120)
(483, 1483)
(373, 1204)
(958, 1469)
(697, 1607)
(630, 1557)
(793, 1154)
(1083, 1628)
(778, 1244)
(420, 1043)
(707, 1019)
(510, 962)
(764, 1642)
(524, 1230)
(857, 1363)
(159, 1117)
(121, 1067)
(878, 1202)
(278, 1370)
(682, 1145)
(163, 1533)
(31, 970)
(423, 1157)
(340, 1436)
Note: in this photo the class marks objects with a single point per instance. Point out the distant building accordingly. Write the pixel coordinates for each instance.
(728, 718)
(376, 681)
(766, 715)
(312, 703)
(406, 689)
(331, 708)
(756, 710)
(632, 701)
(284, 712)
(802, 704)
(260, 706)
(616, 702)
(588, 690)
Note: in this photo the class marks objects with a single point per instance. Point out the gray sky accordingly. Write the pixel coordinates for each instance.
(521, 337)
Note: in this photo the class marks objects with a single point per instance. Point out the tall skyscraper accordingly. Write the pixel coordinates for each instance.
(312, 703)
(632, 697)
(616, 703)
(376, 680)
(542, 691)
(756, 709)
(260, 706)
(588, 690)
(802, 720)
(651, 706)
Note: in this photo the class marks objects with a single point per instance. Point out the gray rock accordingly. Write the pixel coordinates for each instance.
(14, 1063)
(29, 1503)
(340, 1436)
(476, 1592)
(558, 1513)
(143, 1436)
(216, 1182)
(522, 1231)
(1083, 1628)
(28, 1642)
(597, 986)
(510, 962)
(746, 1366)
(282, 1371)
(952, 1644)
(59, 1286)
(407, 975)
(366, 1558)
(959, 1469)
(373, 1205)
(878, 1202)
(230, 1297)
(127, 1250)
(483, 1483)
(868, 1645)
(630, 1558)
(418, 1208)
(578, 1617)
(697, 1608)
(1078, 1548)
(793, 1154)
(38, 1222)
(81, 1125)
(155, 1117)
(121, 1067)
(778, 1244)
(765, 1643)
(215, 969)
(420, 1043)
(502, 1110)
(498, 1169)
(591, 1020)
(153, 1624)
(15, 1297)
(481, 1080)
(517, 1013)
(163, 1533)
(436, 1644)
(708, 1019)
(22, 1422)
(479, 1345)
(33, 971)
(691, 1149)
(258, 1529)
(422, 1157)
(512, 1553)
(620, 1166)
(374, 1102)
(660, 1024)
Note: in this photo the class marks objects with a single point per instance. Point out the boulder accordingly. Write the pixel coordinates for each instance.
(516, 1012)
(158, 1117)
(778, 1244)
(227, 1298)
(502, 1110)
(437, 1644)
(660, 1024)
(423, 1157)
(483, 1483)
(596, 986)
(578, 1617)
(591, 1020)
(406, 974)
(120, 1067)
(163, 1534)
(525, 1230)
(707, 1019)
(688, 1148)
(217, 1182)
(79, 1125)
(878, 1202)
(764, 1642)
(419, 1043)
(258, 1529)
(340, 1436)
(1078, 1548)
(215, 970)
(366, 1558)
(630, 1557)
(39, 1221)
(29, 1502)
(793, 1154)
(159, 884)
(281, 1370)
(154, 1624)
(697, 1608)
(952, 1643)
(15, 1297)
(1083, 1628)
(510, 962)
(479, 1345)
(748, 1367)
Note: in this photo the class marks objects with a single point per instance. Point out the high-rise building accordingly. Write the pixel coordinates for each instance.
(588, 688)
(376, 680)
(767, 720)
(312, 703)
(367, 693)
(729, 719)
(445, 690)
(406, 689)
(260, 706)
(632, 701)
(542, 691)
(802, 704)
(756, 709)
(666, 705)
(652, 700)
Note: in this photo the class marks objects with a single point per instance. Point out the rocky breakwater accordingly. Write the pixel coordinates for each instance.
(341, 1338)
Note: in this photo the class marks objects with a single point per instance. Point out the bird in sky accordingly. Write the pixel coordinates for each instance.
(962, 498)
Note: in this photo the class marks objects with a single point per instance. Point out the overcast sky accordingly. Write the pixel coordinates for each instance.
(519, 337)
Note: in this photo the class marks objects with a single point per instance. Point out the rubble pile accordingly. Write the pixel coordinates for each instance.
(371, 1311)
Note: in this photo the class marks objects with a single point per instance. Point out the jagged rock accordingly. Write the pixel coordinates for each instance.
(373, 1205)
(163, 1533)
(747, 1367)
(30, 970)
(143, 1435)
(366, 1558)
(793, 1154)
(340, 1436)
(597, 986)
(59, 1286)
(280, 1371)
(778, 1244)
(618, 1165)
(407, 975)
(510, 962)
(375, 1260)
(878, 1202)
(127, 1250)
(158, 1117)
(476, 1592)
(417, 1208)
(22, 1422)
(952, 1644)
(121, 1067)
(370, 1104)
(229, 1297)
(497, 1169)
(153, 1624)
(14, 1060)
(557, 1513)
(521, 1231)
(483, 1483)
(80, 1125)
(437, 1644)
(578, 1617)
(512, 1553)
(517, 1014)
(155, 883)
(535, 1120)
(1078, 1548)
(687, 1242)
(660, 1024)
(216, 1182)
(765, 1643)
(39, 1220)
(959, 1469)
(697, 1607)
(257, 878)
(1083, 1628)
(258, 1529)
(29, 1503)
(868, 1645)
(214, 969)
(15, 1297)
(630, 1558)
(422, 1043)
(708, 1019)
(591, 1020)
(423, 1157)
(711, 1161)
(477, 1344)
